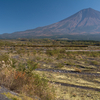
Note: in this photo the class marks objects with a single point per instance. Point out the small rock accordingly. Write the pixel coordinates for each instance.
(88, 95)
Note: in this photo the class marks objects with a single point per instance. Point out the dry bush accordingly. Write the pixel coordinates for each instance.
(6, 76)
(29, 85)
(60, 65)
(78, 70)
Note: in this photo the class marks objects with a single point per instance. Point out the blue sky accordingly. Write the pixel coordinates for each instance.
(20, 15)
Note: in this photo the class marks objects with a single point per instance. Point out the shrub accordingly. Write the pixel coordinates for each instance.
(13, 62)
(28, 84)
(52, 52)
(31, 65)
(60, 56)
(78, 70)
(70, 63)
(60, 65)
(50, 60)
(4, 57)
(38, 58)
(34, 52)
(62, 51)
(94, 63)
(21, 67)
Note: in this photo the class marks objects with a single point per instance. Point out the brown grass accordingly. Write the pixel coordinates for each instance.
(78, 70)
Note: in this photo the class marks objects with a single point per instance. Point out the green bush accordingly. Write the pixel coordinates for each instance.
(21, 67)
(52, 52)
(94, 63)
(4, 57)
(60, 65)
(31, 65)
(60, 56)
(13, 62)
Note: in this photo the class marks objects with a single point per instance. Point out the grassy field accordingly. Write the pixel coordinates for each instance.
(51, 73)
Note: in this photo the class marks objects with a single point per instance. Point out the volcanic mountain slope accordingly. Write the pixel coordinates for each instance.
(86, 21)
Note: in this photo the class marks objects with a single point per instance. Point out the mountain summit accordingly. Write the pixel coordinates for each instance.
(84, 22)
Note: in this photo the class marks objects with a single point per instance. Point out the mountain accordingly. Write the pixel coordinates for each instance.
(83, 23)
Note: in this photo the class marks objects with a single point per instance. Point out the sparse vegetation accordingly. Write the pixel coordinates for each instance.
(94, 63)
(21, 59)
(22, 80)
(60, 65)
